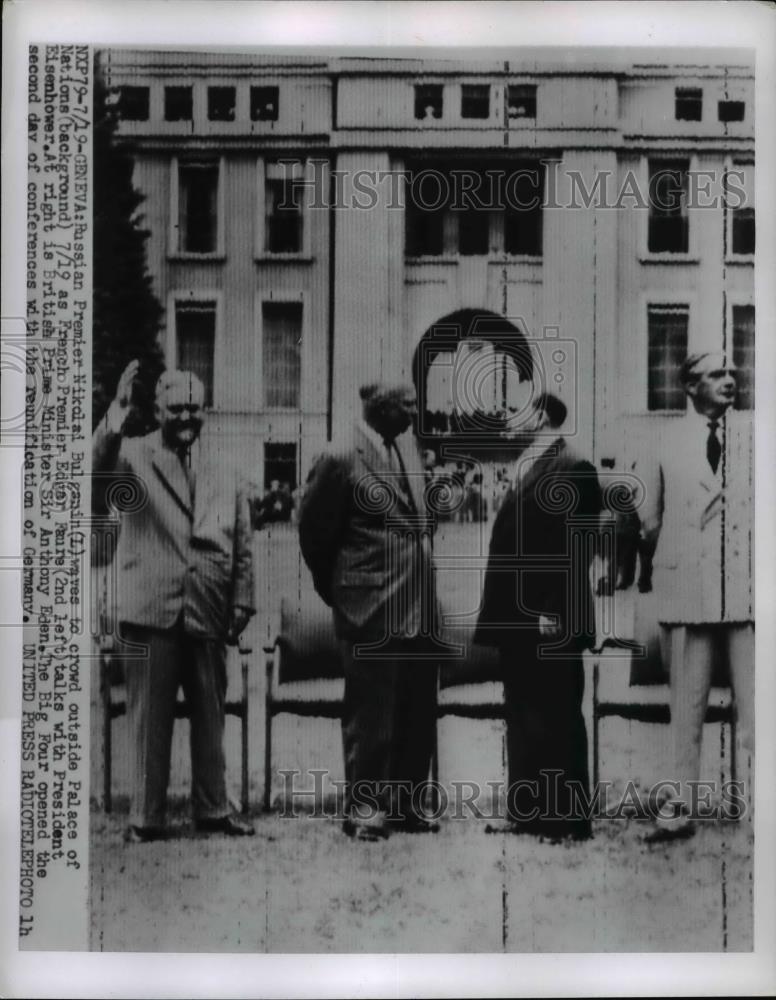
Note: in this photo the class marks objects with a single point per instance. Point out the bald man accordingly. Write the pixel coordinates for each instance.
(185, 590)
(365, 536)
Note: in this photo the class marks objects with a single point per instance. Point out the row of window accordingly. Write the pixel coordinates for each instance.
(134, 103)
(195, 342)
(667, 347)
(688, 106)
(520, 102)
(436, 225)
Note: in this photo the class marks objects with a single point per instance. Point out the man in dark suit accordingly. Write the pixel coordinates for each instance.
(537, 609)
(365, 536)
(185, 589)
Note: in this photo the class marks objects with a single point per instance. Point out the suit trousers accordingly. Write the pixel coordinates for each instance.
(198, 665)
(691, 659)
(546, 742)
(388, 725)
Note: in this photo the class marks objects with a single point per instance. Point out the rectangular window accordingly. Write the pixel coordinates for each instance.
(669, 230)
(264, 104)
(281, 353)
(521, 101)
(134, 103)
(475, 100)
(428, 100)
(742, 229)
(731, 111)
(178, 104)
(523, 215)
(688, 104)
(221, 103)
(667, 349)
(195, 335)
(425, 231)
(280, 466)
(743, 355)
(283, 207)
(473, 232)
(198, 207)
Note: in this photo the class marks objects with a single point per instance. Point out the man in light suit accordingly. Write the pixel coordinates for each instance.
(365, 536)
(185, 589)
(697, 522)
(537, 609)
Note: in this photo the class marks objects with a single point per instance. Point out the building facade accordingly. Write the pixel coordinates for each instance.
(316, 222)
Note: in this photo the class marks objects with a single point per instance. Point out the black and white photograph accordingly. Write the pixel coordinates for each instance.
(387, 507)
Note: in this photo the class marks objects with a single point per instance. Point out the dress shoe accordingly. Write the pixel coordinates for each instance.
(143, 834)
(413, 823)
(232, 826)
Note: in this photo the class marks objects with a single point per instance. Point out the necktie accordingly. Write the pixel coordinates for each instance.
(188, 472)
(713, 446)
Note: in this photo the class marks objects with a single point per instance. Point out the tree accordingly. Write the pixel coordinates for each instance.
(126, 313)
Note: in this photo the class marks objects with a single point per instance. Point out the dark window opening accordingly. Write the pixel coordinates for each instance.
(178, 104)
(221, 103)
(281, 353)
(425, 231)
(264, 104)
(743, 355)
(473, 232)
(668, 222)
(195, 331)
(134, 103)
(523, 218)
(280, 466)
(743, 230)
(475, 100)
(731, 111)
(284, 217)
(198, 207)
(521, 101)
(428, 100)
(688, 104)
(667, 349)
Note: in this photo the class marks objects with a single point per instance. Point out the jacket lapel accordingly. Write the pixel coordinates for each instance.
(543, 464)
(171, 475)
(377, 464)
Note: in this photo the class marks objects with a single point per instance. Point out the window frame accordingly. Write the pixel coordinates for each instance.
(687, 89)
(299, 298)
(263, 86)
(175, 252)
(635, 385)
(748, 165)
(483, 85)
(180, 296)
(260, 253)
(221, 86)
(734, 300)
(647, 256)
(521, 118)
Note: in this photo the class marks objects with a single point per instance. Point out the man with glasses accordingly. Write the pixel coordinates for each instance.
(696, 521)
(185, 591)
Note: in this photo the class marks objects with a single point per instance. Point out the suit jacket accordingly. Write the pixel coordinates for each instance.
(539, 560)
(703, 523)
(367, 542)
(172, 558)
